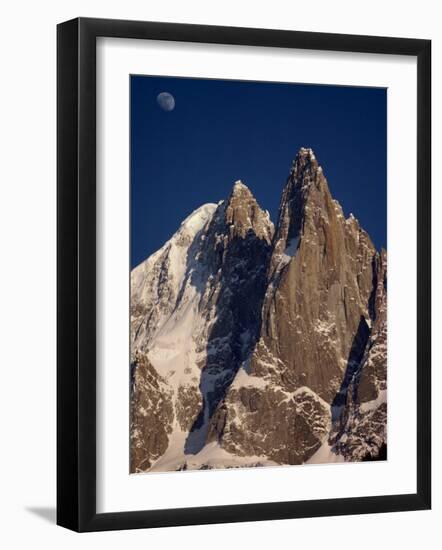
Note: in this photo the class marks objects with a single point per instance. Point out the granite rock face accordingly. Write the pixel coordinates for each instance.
(268, 344)
(151, 415)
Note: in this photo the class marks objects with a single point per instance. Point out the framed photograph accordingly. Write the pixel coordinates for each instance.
(228, 346)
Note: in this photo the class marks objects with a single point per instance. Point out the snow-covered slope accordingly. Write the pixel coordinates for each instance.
(157, 284)
(165, 323)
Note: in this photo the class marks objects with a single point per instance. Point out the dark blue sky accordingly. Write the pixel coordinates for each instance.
(222, 131)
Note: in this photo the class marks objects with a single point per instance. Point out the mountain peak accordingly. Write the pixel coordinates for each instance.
(305, 161)
(306, 152)
(240, 189)
(305, 192)
(239, 184)
(305, 175)
(243, 213)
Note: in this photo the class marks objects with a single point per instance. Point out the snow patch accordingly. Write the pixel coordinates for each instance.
(211, 456)
(291, 249)
(325, 455)
(196, 220)
(375, 403)
(243, 379)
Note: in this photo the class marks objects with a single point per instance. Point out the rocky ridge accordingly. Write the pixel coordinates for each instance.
(254, 344)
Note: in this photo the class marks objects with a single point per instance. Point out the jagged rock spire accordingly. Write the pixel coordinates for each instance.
(243, 214)
(306, 179)
(305, 184)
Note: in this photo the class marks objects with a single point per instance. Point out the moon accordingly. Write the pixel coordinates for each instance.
(166, 101)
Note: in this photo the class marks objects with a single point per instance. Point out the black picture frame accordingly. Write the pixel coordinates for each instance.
(76, 274)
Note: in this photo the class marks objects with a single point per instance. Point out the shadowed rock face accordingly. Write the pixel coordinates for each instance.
(360, 431)
(286, 331)
(236, 252)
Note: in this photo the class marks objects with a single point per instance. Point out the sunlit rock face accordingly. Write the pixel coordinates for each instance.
(264, 345)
